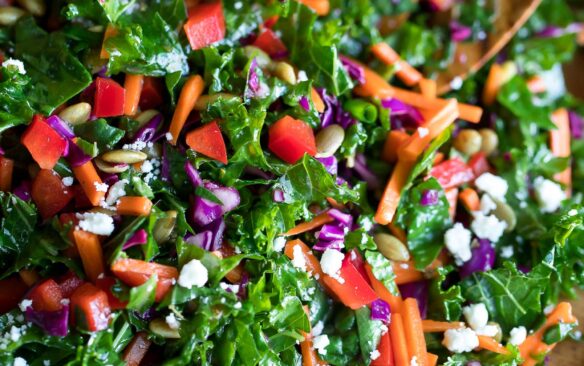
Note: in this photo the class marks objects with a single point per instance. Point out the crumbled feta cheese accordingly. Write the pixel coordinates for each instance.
(67, 181)
(135, 146)
(192, 274)
(456, 83)
(65, 302)
(230, 288)
(414, 361)
(172, 321)
(101, 187)
(460, 340)
(548, 309)
(302, 76)
(16, 64)
(117, 190)
(168, 136)
(549, 195)
(488, 227)
(317, 329)
(46, 363)
(488, 330)
(404, 265)
(320, 343)
(374, 355)
(476, 315)
(487, 204)
(423, 132)
(24, 304)
(331, 262)
(572, 212)
(19, 361)
(237, 305)
(495, 186)
(507, 251)
(279, 243)
(146, 166)
(517, 335)
(96, 222)
(457, 240)
(298, 259)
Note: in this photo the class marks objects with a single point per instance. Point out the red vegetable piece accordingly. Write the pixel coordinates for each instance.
(13, 290)
(290, 139)
(90, 308)
(151, 96)
(269, 42)
(137, 349)
(69, 283)
(452, 173)
(359, 263)
(46, 296)
(135, 272)
(105, 284)
(354, 291)
(208, 141)
(479, 164)
(109, 98)
(206, 25)
(49, 193)
(44, 144)
(385, 357)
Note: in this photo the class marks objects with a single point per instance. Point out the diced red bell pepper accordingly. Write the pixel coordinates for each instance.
(354, 291)
(290, 139)
(69, 283)
(206, 25)
(137, 349)
(44, 143)
(452, 173)
(151, 96)
(271, 21)
(269, 42)
(49, 193)
(479, 164)
(105, 284)
(109, 98)
(385, 357)
(208, 141)
(359, 263)
(13, 290)
(90, 308)
(46, 296)
(135, 272)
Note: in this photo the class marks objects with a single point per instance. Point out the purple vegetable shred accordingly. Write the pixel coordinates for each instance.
(380, 310)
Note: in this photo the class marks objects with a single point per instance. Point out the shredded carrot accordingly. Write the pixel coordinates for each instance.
(317, 101)
(428, 88)
(320, 7)
(536, 84)
(89, 181)
(452, 198)
(395, 302)
(6, 169)
(560, 144)
(406, 272)
(434, 326)
(470, 113)
(414, 331)
(312, 263)
(28, 276)
(110, 31)
(133, 86)
(404, 71)
(391, 196)
(407, 73)
(309, 356)
(470, 199)
(189, 94)
(335, 204)
(384, 53)
(134, 206)
(316, 222)
(399, 342)
(438, 158)
(393, 142)
(374, 86)
(398, 232)
(432, 359)
(498, 76)
(91, 253)
(492, 345)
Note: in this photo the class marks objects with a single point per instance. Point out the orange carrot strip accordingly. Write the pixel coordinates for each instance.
(428, 88)
(470, 199)
(384, 53)
(408, 74)
(91, 253)
(434, 326)
(404, 71)
(316, 222)
(6, 169)
(133, 85)
(393, 142)
(374, 86)
(406, 272)
(312, 264)
(414, 331)
(493, 84)
(317, 101)
(536, 84)
(89, 181)
(134, 206)
(438, 158)
(560, 143)
(391, 196)
(110, 31)
(452, 198)
(28, 276)
(399, 342)
(470, 113)
(395, 302)
(189, 94)
(320, 7)
(432, 359)
(492, 345)
(398, 232)
(335, 204)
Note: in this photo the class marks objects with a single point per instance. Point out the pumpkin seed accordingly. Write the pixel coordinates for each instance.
(35, 7)
(328, 141)
(124, 156)
(164, 227)
(505, 213)
(285, 72)
(159, 327)
(144, 117)
(205, 100)
(110, 168)
(391, 247)
(490, 141)
(76, 114)
(263, 59)
(10, 15)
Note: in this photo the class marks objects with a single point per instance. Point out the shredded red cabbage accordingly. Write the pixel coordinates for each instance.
(343, 218)
(147, 132)
(403, 115)
(354, 70)
(576, 125)
(204, 211)
(22, 191)
(459, 32)
(483, 259)
(193, 174)
(278, 195)
(330, 164)
(331, 232)
(367, 175)
(429, 197)
(419, 291)
(140, 237)
(304, 103)
(380, 310)
(165, 169)
(333, 112)
(54, 323)
(60, 126)
(76, 156)
(217, 228)
(203, 239)
(228, 196)
(323, 245)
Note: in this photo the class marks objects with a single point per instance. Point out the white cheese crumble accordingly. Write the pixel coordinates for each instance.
(16, 64)
(101, 187)
(488, 227)
(517, 335)
(117, 190)
(237, 305)
(279, 243)
(487, 204)
(423, 132)
(19, 361)
(457, 240)
(24, 304)
(572, 212)
(495, 186)
(548, 309)
(67, 181)
(227, 287)
(374, 355)
(192, 274)
(414, 361)
(320, 343)
(298, 259)
(456, 83)
(488, 330)
(96, 222)
(331, 263)
(476, 315)
(317, 329)
(168, 136)
(507, 251)
(460, 340)
(172, 321)
(549, 195)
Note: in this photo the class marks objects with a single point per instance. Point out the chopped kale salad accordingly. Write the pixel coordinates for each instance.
(287, 182)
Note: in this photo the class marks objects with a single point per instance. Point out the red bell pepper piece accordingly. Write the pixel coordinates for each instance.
(44, 144)
(479, 164)
(90, 308)
(137, 349)
(105, 284)
(109, 98)
(452, 173)
(46, 296)
(359, 263)
(69, 283)
(269, 42)
(208, 141)
(151, 96)
(385, 357)
(290, 139)
(206, 25)
(13, 290)
(271, 21)
(135, 272)
(355, 291)
(49, 193)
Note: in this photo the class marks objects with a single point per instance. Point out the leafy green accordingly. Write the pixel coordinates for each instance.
(516, 97)
(15, 107)
(446, 302)
(16, 226)
(382, 270)
(100, 132)
(369, 332)
(142, 297)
